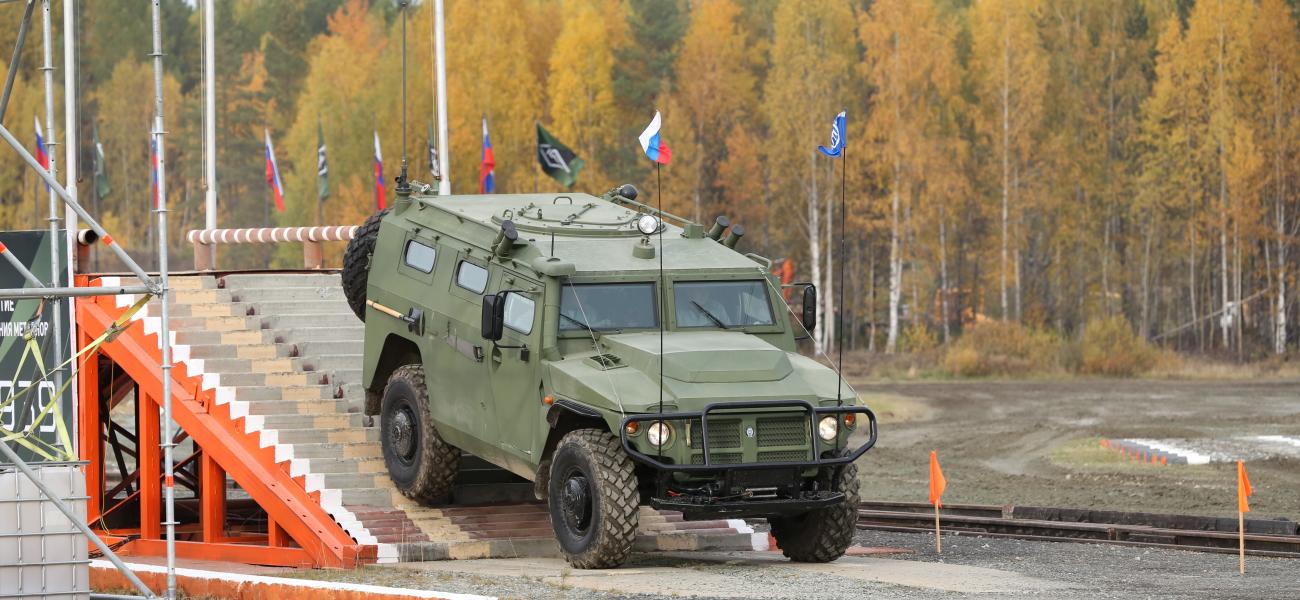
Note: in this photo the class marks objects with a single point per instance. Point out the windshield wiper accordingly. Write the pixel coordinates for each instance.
(711, 316)
(576, 322)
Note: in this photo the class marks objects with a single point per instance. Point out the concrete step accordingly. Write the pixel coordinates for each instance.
(322, 421)
(192, 282)
(328, 348)
(287, 294)
(338, 435)
(210, 309)
(231, 323)
(368, 496)
(350, 450)
(345, 481)
(234, 365)
(355, 333)
(198, 336)
(343, 376)
(290, 407)
(238, 281)
(273, 379)
(299, 393)
(297, 307)
(316, 319)
(246, 351)
(332, 363)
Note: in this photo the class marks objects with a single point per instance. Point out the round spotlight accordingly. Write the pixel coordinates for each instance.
(659, 433)
(828, 428)
(647, 224)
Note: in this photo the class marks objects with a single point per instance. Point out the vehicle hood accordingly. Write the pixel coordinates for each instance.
(698, 368)
(702, 357)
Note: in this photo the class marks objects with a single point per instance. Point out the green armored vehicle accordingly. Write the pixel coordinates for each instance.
(608, 356)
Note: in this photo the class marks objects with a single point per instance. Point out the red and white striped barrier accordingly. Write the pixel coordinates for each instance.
(310, 237)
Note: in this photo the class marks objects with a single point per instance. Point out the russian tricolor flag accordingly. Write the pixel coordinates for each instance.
(273, 174)
(379, 174)
(41, 155)
(654, 146)
(486, 181)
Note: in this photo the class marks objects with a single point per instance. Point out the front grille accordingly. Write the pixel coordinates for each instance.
(782, 431)
(783, 456)
(723, 433)
(718, 458)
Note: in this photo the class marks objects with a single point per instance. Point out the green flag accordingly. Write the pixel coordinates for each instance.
(322, 167)
(557, 160)
(102, 188)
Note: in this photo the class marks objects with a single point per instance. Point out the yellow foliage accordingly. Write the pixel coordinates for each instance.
(1109, 347)
(1001, 348)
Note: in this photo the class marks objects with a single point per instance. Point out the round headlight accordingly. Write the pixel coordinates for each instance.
(647, 224)
(659, 433)
(827, 428)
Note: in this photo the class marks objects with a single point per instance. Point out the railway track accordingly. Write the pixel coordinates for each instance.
(1276, 538)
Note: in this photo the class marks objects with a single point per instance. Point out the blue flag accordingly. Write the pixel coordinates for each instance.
(837, 137)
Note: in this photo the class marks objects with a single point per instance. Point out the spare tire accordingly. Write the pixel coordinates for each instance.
(356, 263)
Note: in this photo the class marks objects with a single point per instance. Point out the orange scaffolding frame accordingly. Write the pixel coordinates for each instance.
(299, 531)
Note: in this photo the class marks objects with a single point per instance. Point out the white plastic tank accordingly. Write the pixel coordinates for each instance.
(42, 554)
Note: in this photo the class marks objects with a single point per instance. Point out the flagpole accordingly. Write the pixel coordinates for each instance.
(1241, 541)
(839, 341)
(938, 541)
(659, 195)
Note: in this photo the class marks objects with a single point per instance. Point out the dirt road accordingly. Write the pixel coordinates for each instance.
(1038, 443)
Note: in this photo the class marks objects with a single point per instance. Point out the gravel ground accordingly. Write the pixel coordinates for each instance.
(970, 566)
(1106, 571)
(1036, 443)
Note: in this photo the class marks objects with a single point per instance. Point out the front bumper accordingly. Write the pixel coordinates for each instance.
(754, 488)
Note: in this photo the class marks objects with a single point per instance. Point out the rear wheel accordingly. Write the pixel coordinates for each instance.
(356, 263)
(824, 534)
(592, 496)
(420, 463)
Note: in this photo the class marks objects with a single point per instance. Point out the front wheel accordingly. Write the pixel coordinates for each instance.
(592, 496)
(421, 464)
(824, 534)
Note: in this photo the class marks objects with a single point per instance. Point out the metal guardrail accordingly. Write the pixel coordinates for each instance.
(310, 238)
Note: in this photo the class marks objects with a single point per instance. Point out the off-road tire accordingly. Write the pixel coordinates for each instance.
(421, 464)
(356, 263)
(612, 518)
(822, 535)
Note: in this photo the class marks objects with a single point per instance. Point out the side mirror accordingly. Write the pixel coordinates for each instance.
(494, 316)
(810, 307)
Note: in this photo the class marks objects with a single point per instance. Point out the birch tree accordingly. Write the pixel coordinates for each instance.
(812, 51)
(1011, 74)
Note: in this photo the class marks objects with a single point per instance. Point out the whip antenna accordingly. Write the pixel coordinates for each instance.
(402, 181)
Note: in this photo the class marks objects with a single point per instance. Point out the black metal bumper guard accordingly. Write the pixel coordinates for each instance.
(814, 415)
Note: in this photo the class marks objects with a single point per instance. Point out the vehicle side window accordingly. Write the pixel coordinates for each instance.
(519, 313)
(471, 277)
(419, 256)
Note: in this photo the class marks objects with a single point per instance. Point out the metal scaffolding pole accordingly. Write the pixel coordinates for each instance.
(13, 62)
(209, 126)
(70, 125)
(56, 305)
(168, 440)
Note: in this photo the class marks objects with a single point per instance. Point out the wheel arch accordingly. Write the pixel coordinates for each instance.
(398, 351)
(564, 416)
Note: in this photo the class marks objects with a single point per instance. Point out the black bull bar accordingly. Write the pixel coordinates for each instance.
(815, 413)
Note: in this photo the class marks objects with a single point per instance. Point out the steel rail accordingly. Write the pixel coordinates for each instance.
(1132, 529)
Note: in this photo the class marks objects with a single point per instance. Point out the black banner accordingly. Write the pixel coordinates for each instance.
(30, 422)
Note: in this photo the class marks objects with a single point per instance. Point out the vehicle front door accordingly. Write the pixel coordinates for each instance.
(513, 365)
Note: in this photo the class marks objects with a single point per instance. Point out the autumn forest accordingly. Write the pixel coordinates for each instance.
(1052, 163)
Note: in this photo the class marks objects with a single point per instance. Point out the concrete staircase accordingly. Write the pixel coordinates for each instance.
(285, 352)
